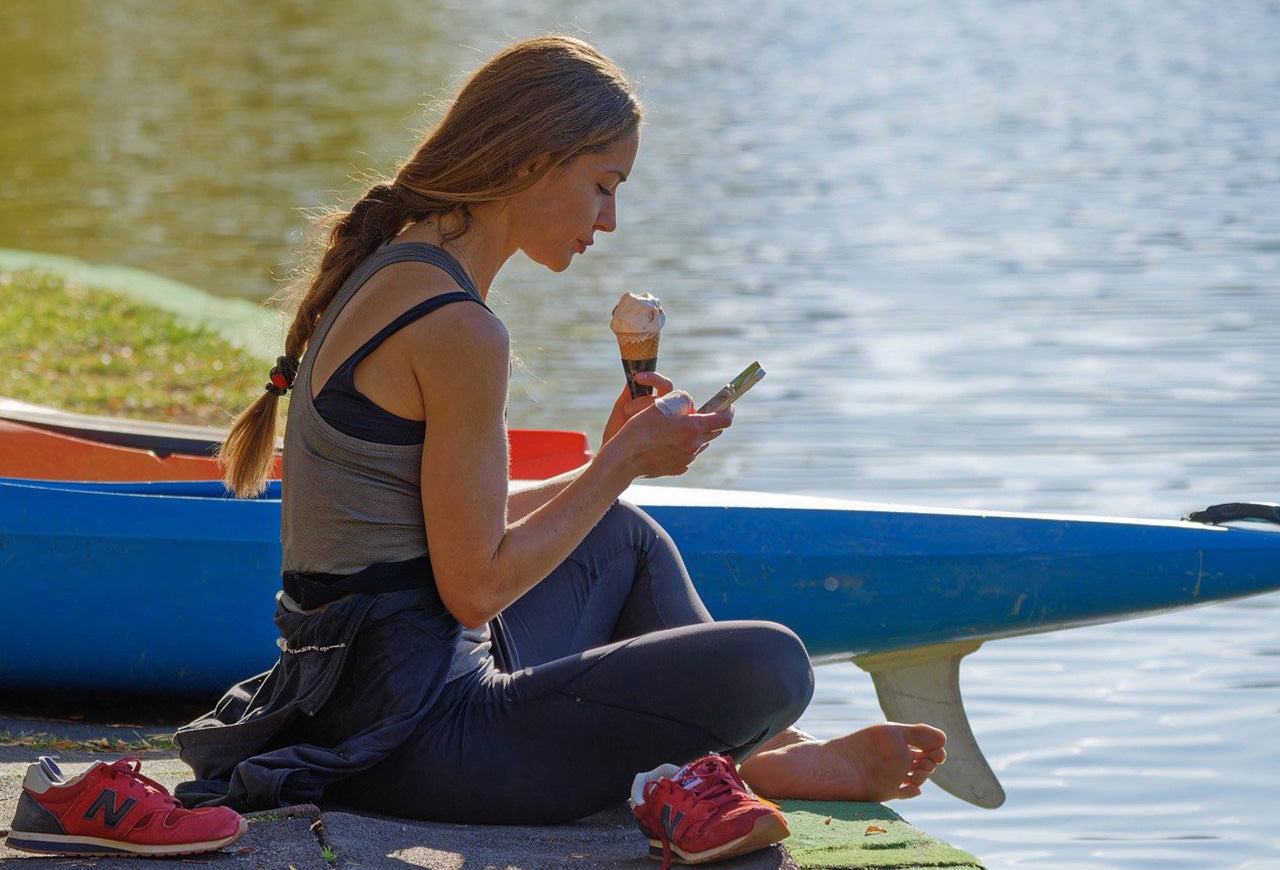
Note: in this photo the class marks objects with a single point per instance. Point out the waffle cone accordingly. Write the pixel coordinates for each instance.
(638, 345)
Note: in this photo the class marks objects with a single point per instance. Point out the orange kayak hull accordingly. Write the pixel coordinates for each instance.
(32, 452)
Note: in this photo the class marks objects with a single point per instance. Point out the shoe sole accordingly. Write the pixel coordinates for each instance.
(767, 831)
(97, 847)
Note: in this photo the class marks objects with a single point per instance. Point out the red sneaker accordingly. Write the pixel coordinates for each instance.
(703, 812)
(112, 809)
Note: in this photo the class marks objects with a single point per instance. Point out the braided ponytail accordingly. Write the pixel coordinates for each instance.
(246, 454)
(551, 96)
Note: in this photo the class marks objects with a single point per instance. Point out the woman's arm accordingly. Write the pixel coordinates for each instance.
(531, 496)
(482, 558)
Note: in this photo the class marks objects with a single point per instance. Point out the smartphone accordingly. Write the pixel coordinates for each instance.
(730, 392)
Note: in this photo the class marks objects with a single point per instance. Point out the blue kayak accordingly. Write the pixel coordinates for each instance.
(169, 586)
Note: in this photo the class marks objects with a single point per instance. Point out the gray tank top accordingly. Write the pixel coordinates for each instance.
(350, 503)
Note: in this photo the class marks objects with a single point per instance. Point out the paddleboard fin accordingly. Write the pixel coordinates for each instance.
(922, 684)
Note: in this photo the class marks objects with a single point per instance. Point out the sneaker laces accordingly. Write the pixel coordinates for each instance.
(719, 785)
(130, 768)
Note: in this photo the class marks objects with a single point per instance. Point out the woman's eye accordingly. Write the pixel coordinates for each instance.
(606, 191)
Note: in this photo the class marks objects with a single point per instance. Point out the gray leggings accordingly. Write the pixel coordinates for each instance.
(616, 668)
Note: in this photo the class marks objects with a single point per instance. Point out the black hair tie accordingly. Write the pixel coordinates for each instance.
(282, 375)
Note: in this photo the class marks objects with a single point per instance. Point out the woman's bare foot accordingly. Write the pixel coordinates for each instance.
(878, 763)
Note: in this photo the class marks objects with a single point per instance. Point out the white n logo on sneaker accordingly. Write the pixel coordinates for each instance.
(112, 815)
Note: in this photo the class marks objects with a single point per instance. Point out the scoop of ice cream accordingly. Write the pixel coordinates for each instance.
(638, 313)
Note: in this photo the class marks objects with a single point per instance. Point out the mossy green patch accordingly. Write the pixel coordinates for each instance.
(837, 835)
(250, 325)
(77, 347)
(116, 745)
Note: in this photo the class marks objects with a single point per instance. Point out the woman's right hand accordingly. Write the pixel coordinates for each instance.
(626, 407)
(651, 444)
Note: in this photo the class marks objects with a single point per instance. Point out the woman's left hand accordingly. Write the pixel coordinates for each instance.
(626, 407)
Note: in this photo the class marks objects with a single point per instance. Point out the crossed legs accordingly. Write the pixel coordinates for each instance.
(616, 667)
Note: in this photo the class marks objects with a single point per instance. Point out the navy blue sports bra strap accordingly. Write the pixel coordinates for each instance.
(406, 252)
(422, 309)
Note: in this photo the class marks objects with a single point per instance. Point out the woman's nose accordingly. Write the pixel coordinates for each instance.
(607, 219)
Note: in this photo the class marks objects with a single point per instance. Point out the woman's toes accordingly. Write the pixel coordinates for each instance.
(925, 737)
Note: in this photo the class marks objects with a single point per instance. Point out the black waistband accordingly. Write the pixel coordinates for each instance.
(311, 589)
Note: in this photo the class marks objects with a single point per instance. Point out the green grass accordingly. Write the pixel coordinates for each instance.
(44, 740)
(88, 350)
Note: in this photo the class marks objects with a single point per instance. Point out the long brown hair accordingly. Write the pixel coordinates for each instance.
(552, 95)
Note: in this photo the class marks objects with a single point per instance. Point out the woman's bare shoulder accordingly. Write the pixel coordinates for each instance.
(459, 348)
(461, 324)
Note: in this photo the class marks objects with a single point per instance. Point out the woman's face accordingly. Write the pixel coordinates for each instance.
(559, 216)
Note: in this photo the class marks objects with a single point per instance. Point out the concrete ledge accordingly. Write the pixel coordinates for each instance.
(608, 841)
(825, 835)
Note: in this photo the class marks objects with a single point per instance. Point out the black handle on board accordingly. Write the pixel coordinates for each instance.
(1236, 510)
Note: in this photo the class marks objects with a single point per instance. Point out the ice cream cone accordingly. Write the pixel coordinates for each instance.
(637, 322)
(639, 351)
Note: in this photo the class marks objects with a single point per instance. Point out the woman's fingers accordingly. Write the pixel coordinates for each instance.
(722, 419)
(635, 406)
(660, 384)
(668, 443)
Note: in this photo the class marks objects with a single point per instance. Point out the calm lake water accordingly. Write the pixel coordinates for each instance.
(1005, 255)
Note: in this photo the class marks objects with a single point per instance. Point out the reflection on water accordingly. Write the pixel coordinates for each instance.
(185, 138)
(1138, 745)
(1018, 256)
